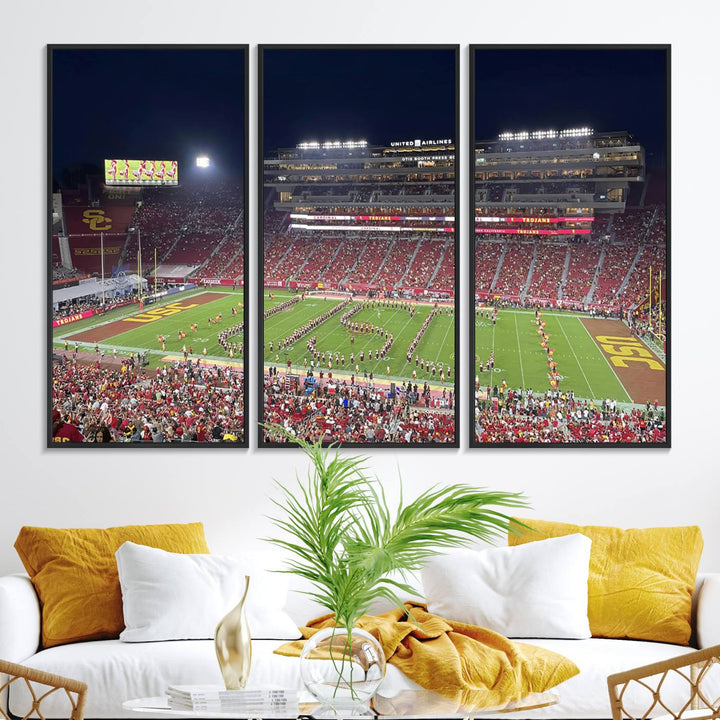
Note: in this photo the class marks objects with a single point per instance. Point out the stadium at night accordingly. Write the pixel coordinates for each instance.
(147, 251)
(366, 235)
(358, 251)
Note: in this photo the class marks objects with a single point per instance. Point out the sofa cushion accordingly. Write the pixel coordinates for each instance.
(530, 591)
(183, 596)
(117, 671)
(641, 580)
(75, 574)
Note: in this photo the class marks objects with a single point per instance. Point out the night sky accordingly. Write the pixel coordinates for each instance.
(163, 103)
(374, 94)
(607, 89)
(176, 103)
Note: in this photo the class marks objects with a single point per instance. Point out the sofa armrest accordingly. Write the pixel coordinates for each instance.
(19, 618)
(708, 610)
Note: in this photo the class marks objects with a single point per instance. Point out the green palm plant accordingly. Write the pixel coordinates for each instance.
(344, 539)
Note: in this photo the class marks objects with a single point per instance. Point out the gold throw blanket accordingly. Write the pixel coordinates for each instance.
(468, 665)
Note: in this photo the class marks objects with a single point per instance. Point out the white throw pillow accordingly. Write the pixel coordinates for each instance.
(176, 596)
(536, 590)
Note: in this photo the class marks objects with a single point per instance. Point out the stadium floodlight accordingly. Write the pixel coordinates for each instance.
(523, 135)
(545, 134)
(332, 144)
(577, 132)
(202, 161)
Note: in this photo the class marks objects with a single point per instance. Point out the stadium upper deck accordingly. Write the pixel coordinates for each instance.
(342, 214)
(567, 172)
(356, 174)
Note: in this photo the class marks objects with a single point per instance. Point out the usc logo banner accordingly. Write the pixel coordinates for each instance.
(96, 219)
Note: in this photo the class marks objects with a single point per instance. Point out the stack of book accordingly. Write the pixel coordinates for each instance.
(250, 702)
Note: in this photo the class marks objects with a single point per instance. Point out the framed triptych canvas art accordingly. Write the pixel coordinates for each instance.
(358, 213)
(146, 264)
(357, 321)
(569, 308)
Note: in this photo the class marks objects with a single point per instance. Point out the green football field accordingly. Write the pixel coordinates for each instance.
(169, 317)
(436, 346)
(522, 362)
(519, 358)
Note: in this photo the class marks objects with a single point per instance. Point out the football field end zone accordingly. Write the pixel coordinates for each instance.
(116, 327)
(641, 372)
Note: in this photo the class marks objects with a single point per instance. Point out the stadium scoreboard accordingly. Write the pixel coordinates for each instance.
(141, 172)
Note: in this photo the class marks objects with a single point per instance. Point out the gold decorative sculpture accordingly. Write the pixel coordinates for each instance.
(232, 645)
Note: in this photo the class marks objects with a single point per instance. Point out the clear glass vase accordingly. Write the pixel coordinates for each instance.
(342, 670)
(233, 645)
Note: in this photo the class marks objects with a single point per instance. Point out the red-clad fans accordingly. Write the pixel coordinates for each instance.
(181, 402)
(558, 417)
(64, 432)
(90, 303)
(358, 413)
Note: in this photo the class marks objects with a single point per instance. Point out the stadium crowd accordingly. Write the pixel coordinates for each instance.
(610, 269)
(357, 413)
(91, 303)
(182, 402)
(512, 416)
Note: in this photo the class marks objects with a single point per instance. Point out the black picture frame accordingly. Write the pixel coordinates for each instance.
(541, 78)
(176, 71)
(352, 55)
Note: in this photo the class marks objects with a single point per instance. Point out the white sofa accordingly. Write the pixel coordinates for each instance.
(117, 671)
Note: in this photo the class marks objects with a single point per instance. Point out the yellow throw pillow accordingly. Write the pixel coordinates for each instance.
(641, 580)
(76, 578)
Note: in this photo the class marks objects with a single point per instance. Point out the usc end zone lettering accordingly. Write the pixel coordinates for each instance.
(624, 350)
(159, 313)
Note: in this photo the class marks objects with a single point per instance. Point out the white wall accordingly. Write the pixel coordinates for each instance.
(228, 490)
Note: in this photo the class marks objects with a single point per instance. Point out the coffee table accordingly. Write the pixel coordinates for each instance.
(412, 704)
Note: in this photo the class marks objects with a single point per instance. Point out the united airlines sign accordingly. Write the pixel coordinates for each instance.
(420, 143)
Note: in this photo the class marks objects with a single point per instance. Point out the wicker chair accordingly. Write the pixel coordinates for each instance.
(694, 676)
(41, 685)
